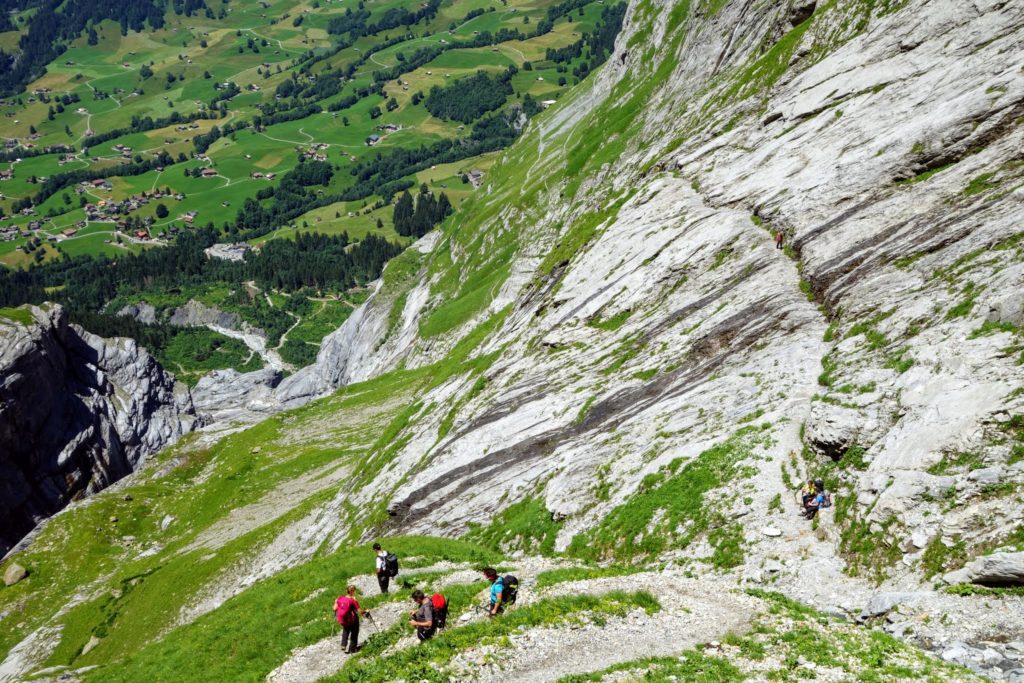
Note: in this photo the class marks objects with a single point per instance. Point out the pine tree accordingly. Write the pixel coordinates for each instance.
(403, 214)
(444, 208)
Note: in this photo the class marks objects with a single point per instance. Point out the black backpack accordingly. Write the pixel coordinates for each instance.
(391, 564)
(510, 589)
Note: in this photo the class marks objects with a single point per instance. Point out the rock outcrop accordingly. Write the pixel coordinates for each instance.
(998, 570)
(77, 413)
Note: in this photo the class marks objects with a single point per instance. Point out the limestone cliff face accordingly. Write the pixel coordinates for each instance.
(619, 281)
(627, 247)
(77, 413)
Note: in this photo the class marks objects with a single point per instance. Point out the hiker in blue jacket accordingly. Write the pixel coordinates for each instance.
(496, 592)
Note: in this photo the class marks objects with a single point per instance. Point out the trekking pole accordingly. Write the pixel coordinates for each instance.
(373, 621)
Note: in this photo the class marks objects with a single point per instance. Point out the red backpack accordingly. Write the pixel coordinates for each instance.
(440, 610)
(345, 610)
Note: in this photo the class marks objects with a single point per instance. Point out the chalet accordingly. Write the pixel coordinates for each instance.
(255, 174)
(98, 182)
(547, 103)
(6, 175)
(141, 235)
(373, 140)
(270, 176)
(69, 232)
(208, 172)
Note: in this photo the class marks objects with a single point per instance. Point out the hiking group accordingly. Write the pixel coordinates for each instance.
(431, 613)
(814, 497)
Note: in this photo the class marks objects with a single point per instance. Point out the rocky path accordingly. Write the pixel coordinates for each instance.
(325, 657)
(692, 611)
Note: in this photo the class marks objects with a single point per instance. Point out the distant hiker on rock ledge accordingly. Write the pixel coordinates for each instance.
(779, 236)
(387, 567)
(347, 611)
(815, 498)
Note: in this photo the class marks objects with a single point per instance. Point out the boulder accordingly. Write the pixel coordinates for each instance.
(882, 603)
(986, 476)
(771, 531)
(1008, 309)
(832, 430)
(998, 570)
(14, 573)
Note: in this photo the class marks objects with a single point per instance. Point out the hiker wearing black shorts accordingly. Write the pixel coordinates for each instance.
(422, 618)
(383, 577)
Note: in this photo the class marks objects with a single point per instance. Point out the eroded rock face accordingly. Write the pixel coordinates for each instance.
(77, 413)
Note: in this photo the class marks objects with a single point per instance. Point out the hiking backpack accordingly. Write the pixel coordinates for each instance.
(391, 565)
(345, 610)
(826, 500)
(439, 605)
(510, 589)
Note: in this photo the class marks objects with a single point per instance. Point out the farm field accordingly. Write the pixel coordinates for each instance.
(261, 121)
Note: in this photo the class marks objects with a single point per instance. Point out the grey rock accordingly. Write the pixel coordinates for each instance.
(14, 573)
(225, 394)
(77, 413)
(995, 570)
(771, 531)
(882, 603)
(831, 430)
(197, 314)
(986, 476)
(142, 312)
(1007, 309)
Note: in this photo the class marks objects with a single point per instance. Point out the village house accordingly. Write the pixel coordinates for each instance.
(208, 172)
(68, 232)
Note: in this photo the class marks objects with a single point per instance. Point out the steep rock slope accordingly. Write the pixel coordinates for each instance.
(638, 313)
(77, 413)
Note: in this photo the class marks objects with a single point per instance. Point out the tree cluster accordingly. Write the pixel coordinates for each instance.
(416, 219)
(467, 99)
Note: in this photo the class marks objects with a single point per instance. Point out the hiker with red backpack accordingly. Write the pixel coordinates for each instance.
(347, 611)
(422, 618)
